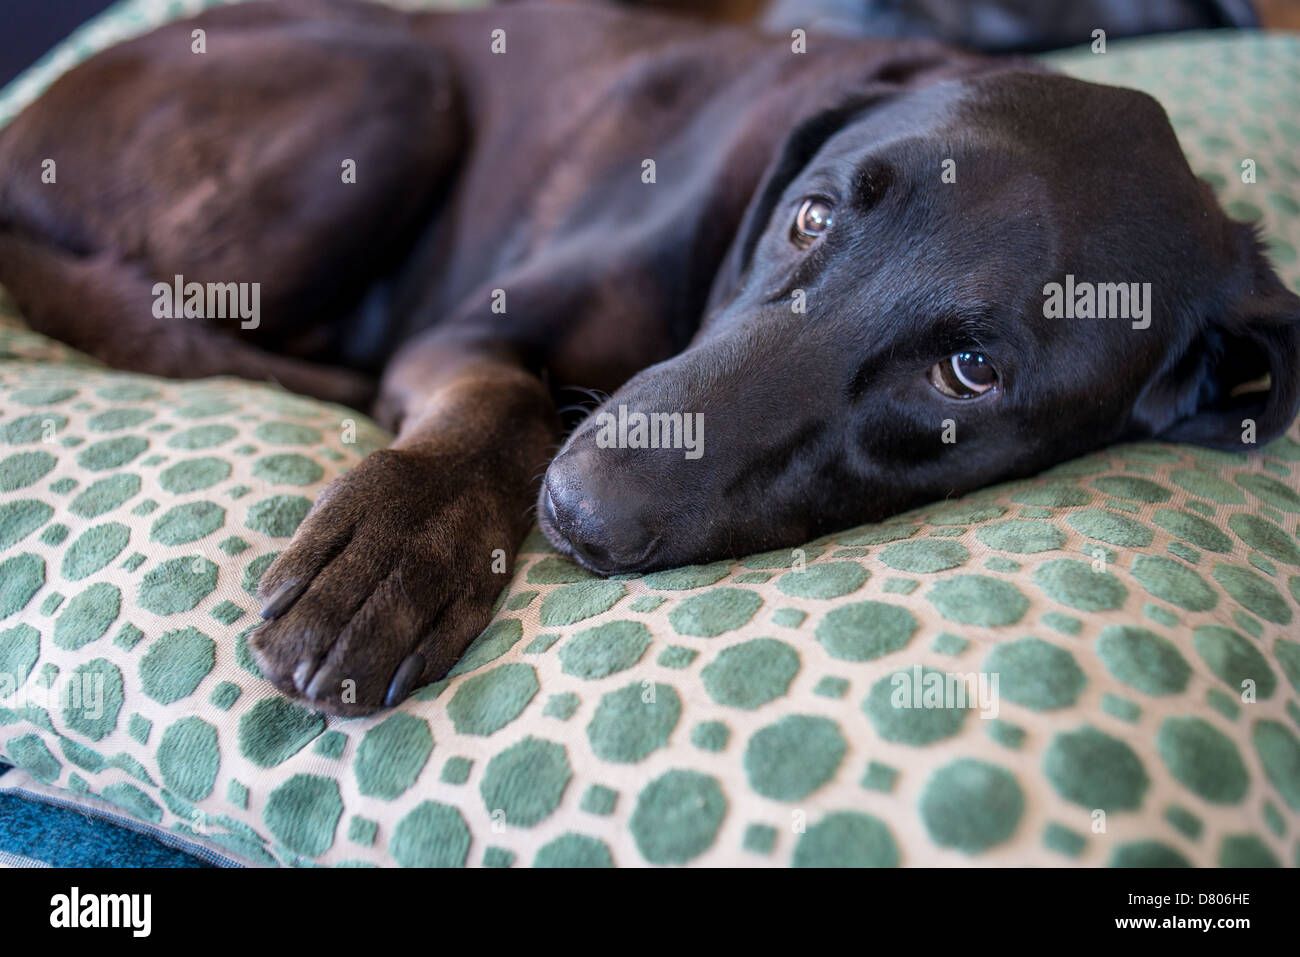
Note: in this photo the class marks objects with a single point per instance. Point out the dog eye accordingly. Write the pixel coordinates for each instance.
(964, 375)
(813, 219)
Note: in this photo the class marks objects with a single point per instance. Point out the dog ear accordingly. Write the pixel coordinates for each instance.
(795, 152)
(1240, 382)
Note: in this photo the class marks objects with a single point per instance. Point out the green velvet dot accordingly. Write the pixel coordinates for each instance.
(275, 728)
(1279, 753)
(751, 674)
(978, 600)
(391, 755)
(92, 698)
(1079, 585)
(879, 777)
(1203, 759)
(303, 813)
(827, 580)
(599, 800)
(605, 649)
(21, 577)
(19, 519)
(331, 745)
(633, 721)
(111, 453)
(20, 647)
(82, 756)
(782, 558)
(193, 475)
(710, 735)
(202, 437)
(759, 839)
(1021, 537)
(456, 770)
(32, 428)
(175, 664)
(716, 611)
(1184, 821)
(526, 781)
(865, 630)
(47, 395)
(573, 850)
(916, 712)
(676, 656)
(554, 570)
(573, 603)
(1204, 485)
(690, 576)
(875, 535)
(831, 687)
(1143, 660)
(1254, 592)
(1053, 495)
(1174, 583)
(846, 839)
(1147, 854)
(946, 643)
(643, 604)
(1192, 528)
(362, 831)
(94, 549)
(795, 756)
(487, 702)
(104, 495)
(24, 468)
(287, 469)
(1129, 487)
(677, 817)
(1262, 534)
(1036, 674)
(561, 706)
(278, 516)
(1061, 839)
(188, 758)
(494, 641)
(1287, 655)
(924, 555)
(87, 616)
(288, 433)
(971, 805)
(1270, 490)
(177, 584)
(431, 835)
(1246, 850)
(30, 753)
(187, 523)
(498, 857)
(965, 514)
(1095, 771)
(788, 617)
(1234, 659)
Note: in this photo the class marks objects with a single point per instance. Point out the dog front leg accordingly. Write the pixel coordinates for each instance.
(391, 575)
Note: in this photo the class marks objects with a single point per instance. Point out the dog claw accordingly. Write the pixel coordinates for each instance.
(408, 672)
(303, 673)
(320, 684)
(284, 597)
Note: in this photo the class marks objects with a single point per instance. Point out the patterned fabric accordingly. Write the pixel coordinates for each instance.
(1096, 666)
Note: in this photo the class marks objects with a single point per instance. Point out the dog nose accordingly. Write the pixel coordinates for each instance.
(600, 520)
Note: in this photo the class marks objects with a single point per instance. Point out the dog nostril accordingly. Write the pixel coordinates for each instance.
(597, 556)
(548, 504)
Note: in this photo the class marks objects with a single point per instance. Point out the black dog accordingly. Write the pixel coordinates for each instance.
(801, 275)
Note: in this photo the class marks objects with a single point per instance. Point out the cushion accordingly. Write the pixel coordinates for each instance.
(1096, 666)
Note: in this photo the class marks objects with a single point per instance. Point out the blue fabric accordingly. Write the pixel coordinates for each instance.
(62, 837)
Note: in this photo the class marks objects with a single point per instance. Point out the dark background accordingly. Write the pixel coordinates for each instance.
(28, 28)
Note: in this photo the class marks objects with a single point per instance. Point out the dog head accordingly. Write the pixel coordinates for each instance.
(932, 291)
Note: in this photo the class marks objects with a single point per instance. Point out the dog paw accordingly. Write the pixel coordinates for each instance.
(386, 582)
